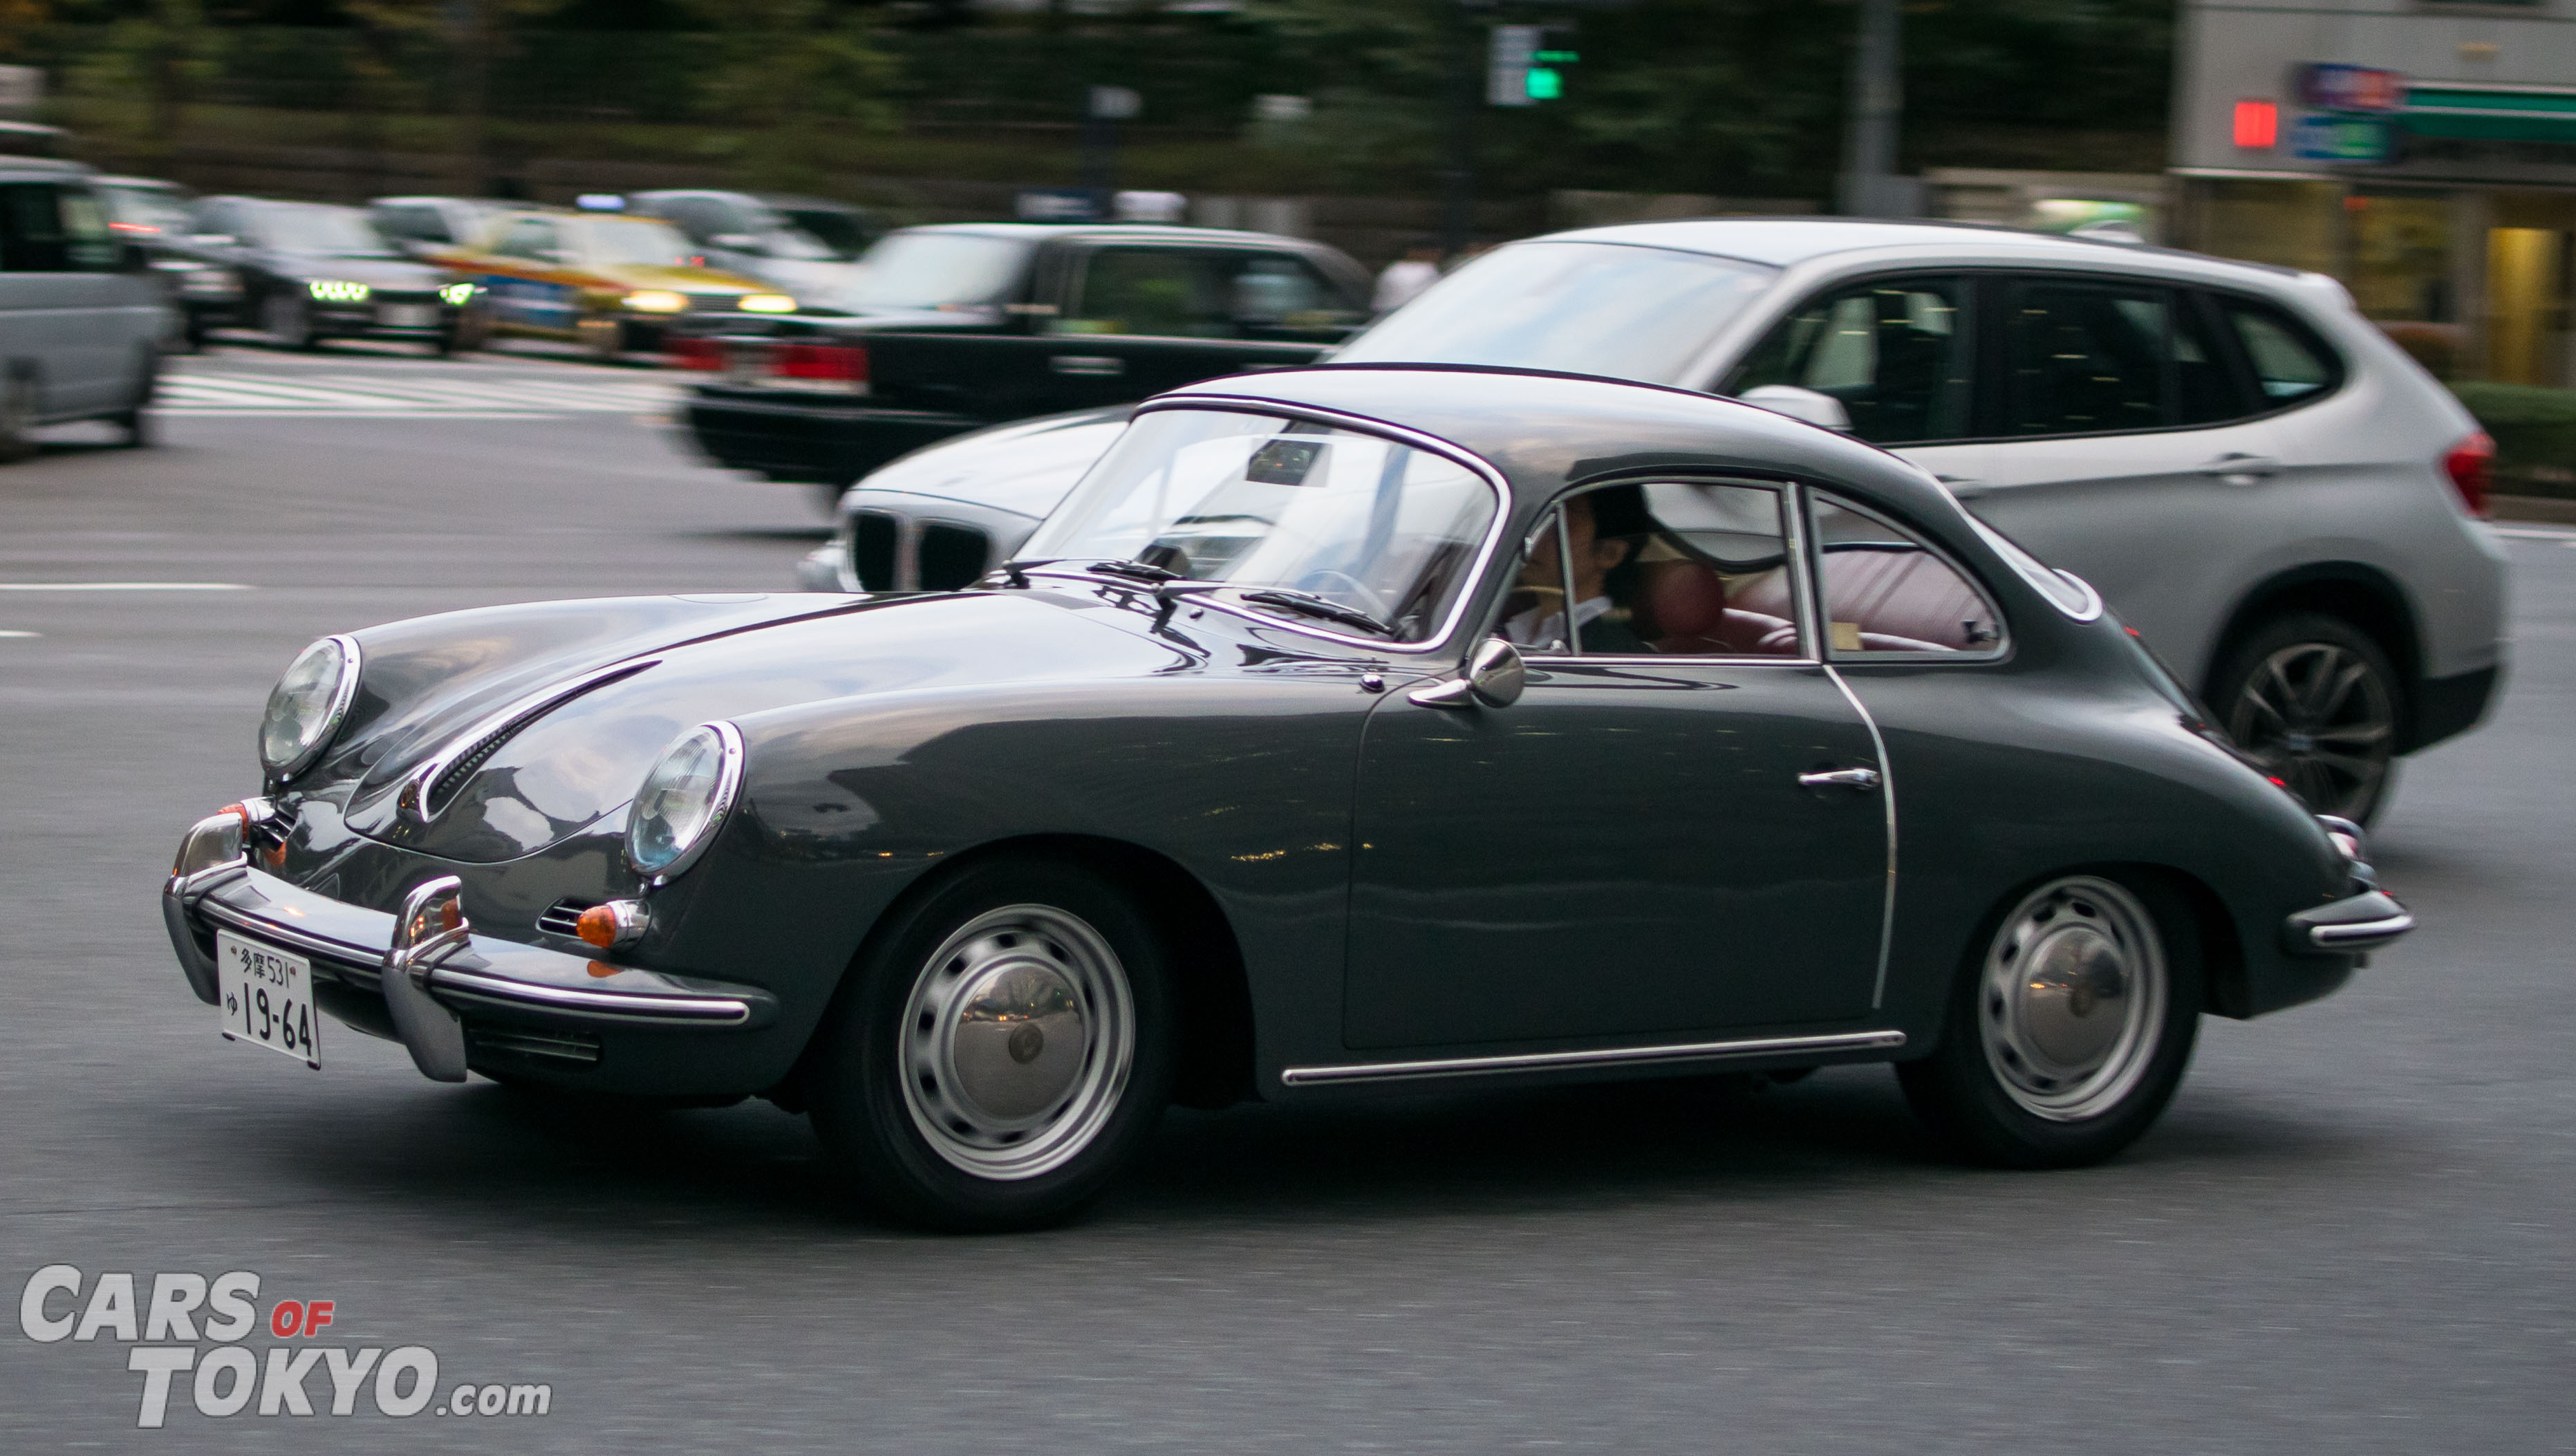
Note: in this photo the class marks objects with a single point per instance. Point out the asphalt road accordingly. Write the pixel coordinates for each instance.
(2350, 1233)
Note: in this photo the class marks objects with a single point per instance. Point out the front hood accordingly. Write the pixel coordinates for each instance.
(373, 272)
(678, 280)
(575, 761)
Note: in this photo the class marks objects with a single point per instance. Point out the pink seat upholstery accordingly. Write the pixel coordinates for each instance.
(1686, 601)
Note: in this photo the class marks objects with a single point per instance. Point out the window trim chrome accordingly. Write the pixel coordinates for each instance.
(1825, 649)
(1801, 594)
(1442, 640)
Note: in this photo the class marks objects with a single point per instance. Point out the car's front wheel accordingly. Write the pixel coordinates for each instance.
(2070, 1031)
(288, 322)
(2314, 700)
(1002, 1048)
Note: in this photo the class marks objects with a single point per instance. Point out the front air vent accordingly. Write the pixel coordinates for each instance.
(437, 783)
(561, 1048)
(444, 787)
(872, 546)
(563, 917)
(952, 556)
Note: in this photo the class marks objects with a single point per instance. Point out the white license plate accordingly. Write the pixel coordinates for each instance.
(266, 998)
(407, 315)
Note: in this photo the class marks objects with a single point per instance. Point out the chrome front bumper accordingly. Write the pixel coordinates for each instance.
(453, 974)
(2354, 924)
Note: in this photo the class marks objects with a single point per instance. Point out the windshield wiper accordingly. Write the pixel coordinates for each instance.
(1315, 606)
(1135, 570)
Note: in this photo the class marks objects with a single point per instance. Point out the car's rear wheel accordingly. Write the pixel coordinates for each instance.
(18, 413)
(2314, 700)
(2070, 1031)
(1002, 1049)
(132, 422)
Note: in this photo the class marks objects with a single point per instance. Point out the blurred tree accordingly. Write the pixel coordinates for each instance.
(476, 34)
(162, 51)
(791, 76)
(17, 19)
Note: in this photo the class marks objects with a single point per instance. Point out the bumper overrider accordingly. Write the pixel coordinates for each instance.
(453, 998)
(2360, 922)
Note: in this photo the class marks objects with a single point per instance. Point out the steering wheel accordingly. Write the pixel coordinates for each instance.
(1325, 582)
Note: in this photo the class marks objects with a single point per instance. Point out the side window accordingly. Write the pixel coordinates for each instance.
(45, 228)
(88, 242)
(530, 238)
(1173, 292)
(411, 220)
(1886, 592)
(2289, 363)
(217, 219)
(1282, 296)
(1896, 353)
(2085, 358)
(1667, 568)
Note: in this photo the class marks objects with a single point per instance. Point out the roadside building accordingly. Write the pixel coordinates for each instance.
(2422, 152)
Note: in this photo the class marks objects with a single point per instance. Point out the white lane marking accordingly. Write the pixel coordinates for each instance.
(392, 395)
(51, 586)
(6, 632)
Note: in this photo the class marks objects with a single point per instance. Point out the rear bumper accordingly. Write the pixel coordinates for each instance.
(2448, 706)
(526, 1010)
(809, 438)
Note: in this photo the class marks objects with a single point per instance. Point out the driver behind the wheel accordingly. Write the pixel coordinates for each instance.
(1534, 613)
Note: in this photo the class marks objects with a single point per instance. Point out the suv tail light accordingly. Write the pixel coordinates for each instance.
(846, 363)
(2469, 465)
(689, 353)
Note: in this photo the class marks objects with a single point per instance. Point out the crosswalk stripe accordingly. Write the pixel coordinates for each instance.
(386, 395)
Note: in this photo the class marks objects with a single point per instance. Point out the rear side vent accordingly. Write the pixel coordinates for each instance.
(872, 538)
(563, 917)
(952, 556)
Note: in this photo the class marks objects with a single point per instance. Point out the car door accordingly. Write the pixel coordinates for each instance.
(1139, 319)
(1898, 352)
(2123, 451)
(522, 277)
(1636, 848)
(73, 318)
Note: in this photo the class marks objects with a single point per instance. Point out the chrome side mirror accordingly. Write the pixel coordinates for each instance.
(1493, 679)
(1800, 404)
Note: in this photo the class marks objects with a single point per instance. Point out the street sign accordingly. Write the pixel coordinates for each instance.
(2321, 137)
(1507, 65)
(2363, 90)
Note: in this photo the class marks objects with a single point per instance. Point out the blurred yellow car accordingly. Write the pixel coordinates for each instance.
(613, 282)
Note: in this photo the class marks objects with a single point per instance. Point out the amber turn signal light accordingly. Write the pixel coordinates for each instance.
(619, 922)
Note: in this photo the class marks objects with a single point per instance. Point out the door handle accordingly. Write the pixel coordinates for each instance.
(1839, 778)
(2242, 469)
(1087, 364)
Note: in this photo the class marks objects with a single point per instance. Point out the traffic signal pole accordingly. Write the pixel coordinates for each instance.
(1466, 93)
(1877, 103)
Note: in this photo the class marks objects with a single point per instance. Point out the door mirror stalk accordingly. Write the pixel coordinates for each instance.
(1494, 678)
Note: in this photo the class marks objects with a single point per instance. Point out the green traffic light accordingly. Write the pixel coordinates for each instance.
(1545, 85)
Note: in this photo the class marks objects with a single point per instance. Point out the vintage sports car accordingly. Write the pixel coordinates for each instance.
(1348, 729)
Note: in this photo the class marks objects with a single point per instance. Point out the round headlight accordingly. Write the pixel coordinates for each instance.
(683, 799)
(307, 705)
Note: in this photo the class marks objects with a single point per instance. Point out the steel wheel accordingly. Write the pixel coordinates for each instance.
(2320, 715)
(2073, 993)
(1019, 1037)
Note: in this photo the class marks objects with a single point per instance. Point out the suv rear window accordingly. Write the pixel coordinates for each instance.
(2083, 357)
(2289, 362)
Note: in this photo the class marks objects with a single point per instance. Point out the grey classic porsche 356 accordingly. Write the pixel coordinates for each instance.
(1347, 729)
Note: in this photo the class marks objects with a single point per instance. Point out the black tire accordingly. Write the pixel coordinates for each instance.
(288, 323)
(2316, 701)
(132, 421)
(18, 414)
(906, 1125)
(1991, 1091)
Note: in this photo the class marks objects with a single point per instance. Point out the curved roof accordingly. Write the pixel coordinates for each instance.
(1547, 431)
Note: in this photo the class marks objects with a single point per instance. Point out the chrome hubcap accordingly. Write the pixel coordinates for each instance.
(2072, 997)
(2319, 720)
(1018, 1039)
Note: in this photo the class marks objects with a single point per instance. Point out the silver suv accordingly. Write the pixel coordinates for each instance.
(2272, 494)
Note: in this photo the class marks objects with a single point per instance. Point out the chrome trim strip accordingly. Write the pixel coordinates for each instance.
(1887, 793)
(2363, 931)
(363, 957)
(606, 1005)
(1855, 1041)
(1446, 449)
(417, 784)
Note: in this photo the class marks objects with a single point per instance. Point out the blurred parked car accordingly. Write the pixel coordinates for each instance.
(2275, 495)
(312, 272)
(769, 238)
(158, 217)
(613, 282)
(958, 326)
(81, 317)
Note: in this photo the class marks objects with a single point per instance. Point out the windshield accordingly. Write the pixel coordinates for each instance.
(925, 270)
(1261, 501)
(843, 235)
(640, 240)
(333, 232)
(1583, 308)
